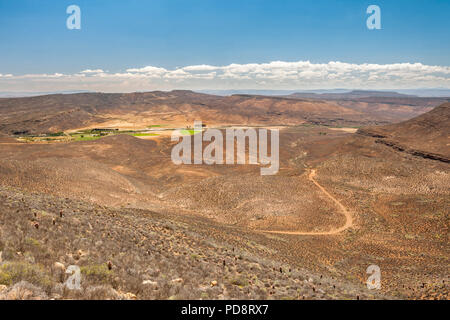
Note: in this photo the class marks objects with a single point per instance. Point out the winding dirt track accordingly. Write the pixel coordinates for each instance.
(312, 174)
(343, 209)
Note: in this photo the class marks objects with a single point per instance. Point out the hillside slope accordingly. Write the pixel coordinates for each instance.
(427, 135)
(53, 113)
(63, 112)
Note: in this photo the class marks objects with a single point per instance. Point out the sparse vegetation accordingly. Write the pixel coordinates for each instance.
(148, 260)
(97, 273)
(14, 272)
(87, 205)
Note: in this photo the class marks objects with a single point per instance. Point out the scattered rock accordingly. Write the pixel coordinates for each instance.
(59, 266)
(150, 283)
(177, 280)
(130, 296)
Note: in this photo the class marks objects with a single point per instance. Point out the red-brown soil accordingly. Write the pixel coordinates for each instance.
(54, 113)
(426, 135)
(157, 221)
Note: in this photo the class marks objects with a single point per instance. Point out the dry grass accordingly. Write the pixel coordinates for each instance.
(151, 256)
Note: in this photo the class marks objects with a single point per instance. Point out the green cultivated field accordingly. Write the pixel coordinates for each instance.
(84, 135)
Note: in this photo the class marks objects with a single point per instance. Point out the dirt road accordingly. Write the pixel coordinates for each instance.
(342, 208)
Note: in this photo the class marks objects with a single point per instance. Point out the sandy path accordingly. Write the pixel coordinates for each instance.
(342, 208)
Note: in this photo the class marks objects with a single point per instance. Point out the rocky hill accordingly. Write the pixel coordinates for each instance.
(427, 135)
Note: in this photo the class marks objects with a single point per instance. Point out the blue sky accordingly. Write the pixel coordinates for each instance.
(118, 35)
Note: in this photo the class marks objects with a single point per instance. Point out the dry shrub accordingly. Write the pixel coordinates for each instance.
(14, 272)
(24, 290)
(97, 273)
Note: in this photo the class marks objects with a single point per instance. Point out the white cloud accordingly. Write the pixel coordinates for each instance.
(272, 75)
(201, 67)
(148, 69)
(92, 71)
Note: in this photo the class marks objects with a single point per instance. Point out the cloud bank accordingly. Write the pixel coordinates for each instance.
(274, 75)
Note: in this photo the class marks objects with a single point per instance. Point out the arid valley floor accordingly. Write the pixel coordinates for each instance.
(362, 181)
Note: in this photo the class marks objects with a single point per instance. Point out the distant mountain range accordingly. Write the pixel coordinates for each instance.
(179, 108)
(312, 94)
(34, 94)
(337, 93)
(355, 94)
